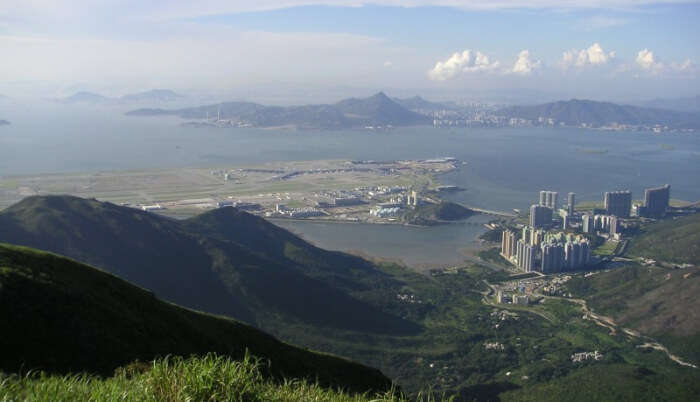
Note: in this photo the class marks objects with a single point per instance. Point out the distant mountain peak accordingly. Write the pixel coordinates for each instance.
(85, 97)
(380, 95)
(376, 110)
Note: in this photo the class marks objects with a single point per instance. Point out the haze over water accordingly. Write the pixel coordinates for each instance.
(505, 168)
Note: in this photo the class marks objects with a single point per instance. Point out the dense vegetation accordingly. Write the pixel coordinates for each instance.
(224, 261)
(671, 240)
(209, 378)
(61, 316)
(432, 214)
(656, 301)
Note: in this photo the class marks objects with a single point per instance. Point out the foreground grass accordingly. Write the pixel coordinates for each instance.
(208, 378)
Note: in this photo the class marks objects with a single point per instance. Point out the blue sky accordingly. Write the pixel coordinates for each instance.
(617, 49)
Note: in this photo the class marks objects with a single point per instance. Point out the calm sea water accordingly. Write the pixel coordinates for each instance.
(505, 168)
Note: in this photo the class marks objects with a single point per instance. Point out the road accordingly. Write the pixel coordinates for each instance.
(588, 314)
(610, 324)
(490, 212)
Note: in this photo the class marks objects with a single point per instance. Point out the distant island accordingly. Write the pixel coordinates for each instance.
(602, 115)
(376, 112)
(4, 123)
(154, 95)
(689, 104)
(379, 112)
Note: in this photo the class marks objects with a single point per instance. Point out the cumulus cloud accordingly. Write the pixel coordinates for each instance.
(467, 61)
(593, 56)
(647, 62)
(524, 65)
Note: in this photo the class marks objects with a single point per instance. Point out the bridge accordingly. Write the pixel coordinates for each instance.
(490, 211)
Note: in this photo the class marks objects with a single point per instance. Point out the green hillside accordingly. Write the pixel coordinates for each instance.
(672, 240)
(656, 301)
(210, 378)
(62, 316)
(223, 262)
(432, 214)
(454, 317)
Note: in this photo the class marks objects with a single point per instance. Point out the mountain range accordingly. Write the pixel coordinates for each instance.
(376, 110)
(577, 112)
(154, 95)
(4, 122)
(689, 104)
(86, 320)
(224, 261)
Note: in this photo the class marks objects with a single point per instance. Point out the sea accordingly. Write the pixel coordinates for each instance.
(501, 169)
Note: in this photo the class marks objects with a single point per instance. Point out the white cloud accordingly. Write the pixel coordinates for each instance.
(524, 65)
(593, 56)
(466, 62)
(646, 61)
(388, 64)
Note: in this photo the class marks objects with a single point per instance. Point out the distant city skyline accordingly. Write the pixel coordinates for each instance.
(317, 50)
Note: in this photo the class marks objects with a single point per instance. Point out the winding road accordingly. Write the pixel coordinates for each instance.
(601, 320)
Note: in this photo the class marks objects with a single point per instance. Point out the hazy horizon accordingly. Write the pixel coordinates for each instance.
(289, 51)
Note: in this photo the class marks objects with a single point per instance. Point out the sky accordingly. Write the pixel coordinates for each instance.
(300, 51)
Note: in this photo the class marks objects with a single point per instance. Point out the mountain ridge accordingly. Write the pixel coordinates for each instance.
(577, 112)
(197, 264)
(376, 110)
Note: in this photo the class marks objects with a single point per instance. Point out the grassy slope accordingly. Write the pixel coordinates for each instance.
(195, 379)
(672, 240)
(656, 301)
(62, 316)
(224, 262)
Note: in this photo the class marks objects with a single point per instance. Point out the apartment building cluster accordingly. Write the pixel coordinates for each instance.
(544, 251)
(539, 247)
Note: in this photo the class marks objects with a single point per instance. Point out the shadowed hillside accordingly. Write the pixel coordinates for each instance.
(224, 262)
(62, 316)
